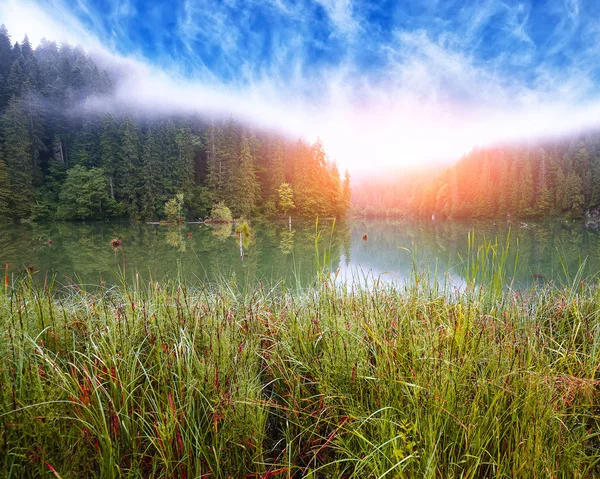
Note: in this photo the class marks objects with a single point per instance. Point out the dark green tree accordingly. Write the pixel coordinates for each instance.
(246, 189)
(127, 179)
(4, 191)
(109, 150)
(17, 155)
(85, 195)
(153, 195)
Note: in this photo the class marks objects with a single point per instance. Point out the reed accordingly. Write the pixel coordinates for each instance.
(413, 380)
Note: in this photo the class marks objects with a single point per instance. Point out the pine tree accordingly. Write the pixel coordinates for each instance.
(574, 195)
(595, 195)
(503, 188)
(485, 207)
(443, 201)
(333, 192)
(187, 145)
(583, 168)
(276, 171)
(346, 193)
(16, 82)
(152, 197)
(109, 150)
(212, 162)
(525, 189)
(560, 194)
(543, 205)
(196, 198)
(455, 207)
(246, 189)
(229, 161)
(301, 179)
(17, 155)
(543, 201)
(286, 198)
(127, 178)
(4, 190)
(84, 195)
(172, 166)
(5, 52)
(35, 113)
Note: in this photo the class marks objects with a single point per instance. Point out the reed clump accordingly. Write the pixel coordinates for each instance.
(415, 381)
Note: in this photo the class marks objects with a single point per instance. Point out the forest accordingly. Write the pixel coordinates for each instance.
(532, 180)
(62, 161)
(560, 178)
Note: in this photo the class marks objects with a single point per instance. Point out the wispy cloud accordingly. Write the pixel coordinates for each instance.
(381, 83)
(341, 14)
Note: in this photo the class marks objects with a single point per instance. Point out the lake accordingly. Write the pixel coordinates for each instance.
(366, 250)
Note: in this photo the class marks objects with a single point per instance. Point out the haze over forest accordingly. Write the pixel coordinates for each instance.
(146, 99)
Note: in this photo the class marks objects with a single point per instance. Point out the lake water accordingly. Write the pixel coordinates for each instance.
(81, 253)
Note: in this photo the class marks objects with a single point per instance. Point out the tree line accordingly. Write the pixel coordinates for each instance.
(59, 160)
(535, 180)
(561, 178)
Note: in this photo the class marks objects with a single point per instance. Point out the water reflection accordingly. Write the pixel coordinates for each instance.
(79, 252)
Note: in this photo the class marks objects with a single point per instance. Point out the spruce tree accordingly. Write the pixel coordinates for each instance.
(485, 207)
(17, 78)
(17, 155)
(109, 150)
(503, 188)
(212, 161)
(543, 205)
(35, 113)
(574, 195)
(127, 180)
(526, 193)
(152, 198)
(276, 171)
(4, 190)
(346, 193)
(6, 57)
(246, 188)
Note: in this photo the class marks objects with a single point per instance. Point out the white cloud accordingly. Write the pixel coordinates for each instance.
(25, 17)
(341, 15)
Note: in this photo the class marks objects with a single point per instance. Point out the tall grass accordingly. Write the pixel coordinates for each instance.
(156, 380)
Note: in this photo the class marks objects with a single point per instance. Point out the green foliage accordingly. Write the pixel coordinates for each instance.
(4, 190)
(517, 181)
(17, 155)
(198, 201)
(85, 195)
(152, 190)
(221, 214)
(174, 208)
(126, 181)
(269, 209)
(41, 212)
(246, 188)
(244, 231)
(543, 205)
(145, 161)
(161, 380)
(286, 198)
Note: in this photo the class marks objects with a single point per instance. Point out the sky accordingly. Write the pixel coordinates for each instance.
(382, 83)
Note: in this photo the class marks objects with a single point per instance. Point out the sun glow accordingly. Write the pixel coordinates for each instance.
(413, 137)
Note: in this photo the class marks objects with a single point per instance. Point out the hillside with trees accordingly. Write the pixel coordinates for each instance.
(59, 160)
(533, 181)
(545, 179)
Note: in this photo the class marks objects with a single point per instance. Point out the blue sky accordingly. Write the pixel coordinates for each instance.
(421, 80)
